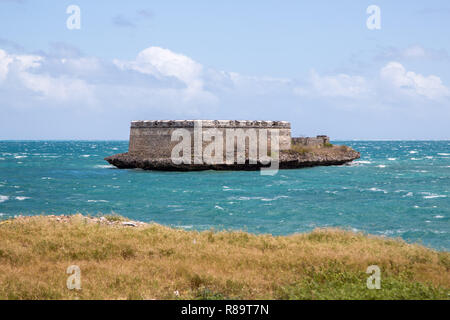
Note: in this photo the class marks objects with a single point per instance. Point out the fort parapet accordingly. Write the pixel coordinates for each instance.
(311, 141)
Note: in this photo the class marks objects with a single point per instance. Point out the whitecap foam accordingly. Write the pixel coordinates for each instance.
(218, 207)
(245, 198)
(439, 217)
(444, 154)
(85, 155)
(392, 159)
(377, 190)
(433, 196)
(97, 201)
(22, 198)
(363, 162)
(275, 198)
(3, 198)
(381, 166)
(20, 157)
(104, 166)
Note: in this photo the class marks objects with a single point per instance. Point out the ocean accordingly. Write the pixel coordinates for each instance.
(397, 189)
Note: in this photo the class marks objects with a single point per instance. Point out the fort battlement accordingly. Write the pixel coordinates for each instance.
(211, 124)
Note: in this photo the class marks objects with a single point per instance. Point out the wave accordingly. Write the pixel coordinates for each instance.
(225, 188)
(22, 198)
(377, 190)
(444, 154)
(245, 198)
(275, 198)
(3, 198)
(433, 196)
(97, 201)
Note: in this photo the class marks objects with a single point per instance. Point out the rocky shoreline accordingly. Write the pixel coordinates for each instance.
(290, 159)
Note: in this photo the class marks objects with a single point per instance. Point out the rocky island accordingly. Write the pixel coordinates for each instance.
(189, 145)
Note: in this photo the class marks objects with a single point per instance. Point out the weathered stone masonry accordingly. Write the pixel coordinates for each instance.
(152, 138)
(311, 141)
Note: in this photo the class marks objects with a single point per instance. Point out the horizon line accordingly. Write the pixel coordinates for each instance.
(126, 140)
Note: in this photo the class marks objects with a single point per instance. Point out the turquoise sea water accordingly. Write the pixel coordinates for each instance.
(397, 189)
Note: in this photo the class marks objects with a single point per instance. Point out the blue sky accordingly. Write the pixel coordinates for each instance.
(314, 63)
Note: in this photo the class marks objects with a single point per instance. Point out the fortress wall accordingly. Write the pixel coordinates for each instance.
(152, 138)
(311, 141)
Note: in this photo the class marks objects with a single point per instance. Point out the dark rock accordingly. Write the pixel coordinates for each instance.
(288, 160)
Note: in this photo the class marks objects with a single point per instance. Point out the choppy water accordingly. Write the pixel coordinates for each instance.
(397, 189)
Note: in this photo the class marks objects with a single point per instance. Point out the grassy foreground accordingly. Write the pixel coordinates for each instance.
(157, 262)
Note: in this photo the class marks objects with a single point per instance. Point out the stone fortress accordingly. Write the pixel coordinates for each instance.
(153, 138)
(151, 145)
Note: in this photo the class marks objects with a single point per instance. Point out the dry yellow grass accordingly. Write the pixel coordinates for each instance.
(157, 262)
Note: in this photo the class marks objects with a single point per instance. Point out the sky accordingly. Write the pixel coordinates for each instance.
(316, 64)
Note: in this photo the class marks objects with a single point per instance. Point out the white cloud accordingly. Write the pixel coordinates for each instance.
(161, 79)
(22, 62)
(5, 60)
(393, 78)
(411, 83)
(413, 52)
(163, 63)
(26, 70)
(60, 88)
(340, 85)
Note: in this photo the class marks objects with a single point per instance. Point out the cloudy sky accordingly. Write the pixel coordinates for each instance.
(314, 63)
